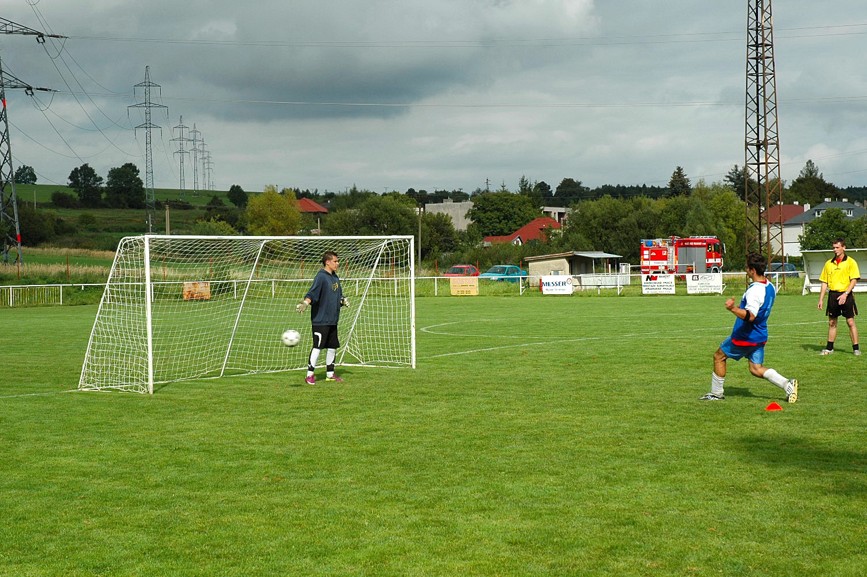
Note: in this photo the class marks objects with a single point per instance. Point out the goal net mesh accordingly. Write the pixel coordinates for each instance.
(182, 307)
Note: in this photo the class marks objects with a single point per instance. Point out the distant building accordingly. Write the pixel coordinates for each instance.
(536, 229)
(795, 226)
(782, 213)
(456, 210)
(307, 206)
(558, 213)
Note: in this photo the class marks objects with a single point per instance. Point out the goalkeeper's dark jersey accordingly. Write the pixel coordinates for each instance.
(325, 295)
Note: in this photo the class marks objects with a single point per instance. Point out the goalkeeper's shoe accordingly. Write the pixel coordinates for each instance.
(333, 379)
(712, 397)
(311, 380)
(793, 396)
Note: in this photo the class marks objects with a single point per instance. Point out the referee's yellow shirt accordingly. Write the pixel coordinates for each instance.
(838, 274)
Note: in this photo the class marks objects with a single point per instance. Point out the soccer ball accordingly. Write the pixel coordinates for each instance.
(291, 337)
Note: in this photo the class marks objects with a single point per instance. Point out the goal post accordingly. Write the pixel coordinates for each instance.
(179, 308)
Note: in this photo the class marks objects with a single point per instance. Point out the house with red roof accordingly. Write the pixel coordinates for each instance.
(307, 206)
(537, 229)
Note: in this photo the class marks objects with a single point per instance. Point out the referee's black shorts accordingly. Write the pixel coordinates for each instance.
(847, 310)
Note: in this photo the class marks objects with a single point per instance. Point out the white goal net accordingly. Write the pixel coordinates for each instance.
(190, 307)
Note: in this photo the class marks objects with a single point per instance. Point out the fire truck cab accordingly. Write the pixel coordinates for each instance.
(676, 255)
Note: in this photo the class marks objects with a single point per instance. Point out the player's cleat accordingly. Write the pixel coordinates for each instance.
(857, 352)
(333, 379)
(712, 397)
(826, 352)
(311, 380)
(793, 396)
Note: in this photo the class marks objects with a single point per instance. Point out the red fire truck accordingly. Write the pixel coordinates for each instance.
(681, 255)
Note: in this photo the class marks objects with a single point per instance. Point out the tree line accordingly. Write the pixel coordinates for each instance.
(611, 218)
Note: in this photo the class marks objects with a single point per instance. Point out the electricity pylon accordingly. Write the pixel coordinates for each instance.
(181, 139)
(764, 187)
(10, 227)
(150, 201)
(194, 138)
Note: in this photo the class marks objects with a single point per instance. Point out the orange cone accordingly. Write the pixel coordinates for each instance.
(773, 407)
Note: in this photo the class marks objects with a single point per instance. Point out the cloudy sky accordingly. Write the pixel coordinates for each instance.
(441, 94)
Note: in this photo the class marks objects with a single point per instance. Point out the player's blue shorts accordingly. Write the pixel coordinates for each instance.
(754, 354)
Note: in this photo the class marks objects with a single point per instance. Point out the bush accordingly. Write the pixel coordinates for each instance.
(64, 199)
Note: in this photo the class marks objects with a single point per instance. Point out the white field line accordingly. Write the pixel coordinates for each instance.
(38, 394)
(431, 329)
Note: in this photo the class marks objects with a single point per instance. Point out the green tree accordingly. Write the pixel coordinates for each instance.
(500, 213)
(832, 224)
(678, 184)
(124, 188)
(64, 199)
(810, 187)
(569, 191)
(272, 213)
(37, 226)
(438, 235)
(390, 214)
(87, 184)
(530, 191)
(213, 227)
(614, 225)
(543, 189)
(237, 196)
(25, 175)
(735, 178)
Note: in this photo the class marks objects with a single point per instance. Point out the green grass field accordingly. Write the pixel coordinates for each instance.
(538, 436)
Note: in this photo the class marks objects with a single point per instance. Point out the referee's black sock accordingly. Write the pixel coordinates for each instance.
(830, 346)
(855, 347)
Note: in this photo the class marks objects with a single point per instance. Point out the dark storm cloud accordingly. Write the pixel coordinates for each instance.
(401, 93)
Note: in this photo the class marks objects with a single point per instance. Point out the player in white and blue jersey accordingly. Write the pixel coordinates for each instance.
(749, 334)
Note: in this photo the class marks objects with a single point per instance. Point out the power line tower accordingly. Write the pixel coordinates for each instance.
(10, 227)
(181, 139)
(205, 157)
(763, 185)
(150, 201)
(194, 138)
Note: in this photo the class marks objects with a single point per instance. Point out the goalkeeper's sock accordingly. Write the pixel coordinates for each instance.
(717, 384)
(311, 364)
(776, 378)
(330, 355)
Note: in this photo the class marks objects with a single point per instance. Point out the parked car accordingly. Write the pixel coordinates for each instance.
(504, 272)
(782, 268)
(462, 270)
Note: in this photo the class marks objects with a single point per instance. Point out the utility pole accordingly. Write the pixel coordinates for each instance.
(150, 201)
(10, 226)
(764, 187)
(194, 138)
(181, 139)
(203, 155)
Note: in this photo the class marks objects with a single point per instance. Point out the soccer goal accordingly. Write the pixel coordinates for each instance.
(177, 308)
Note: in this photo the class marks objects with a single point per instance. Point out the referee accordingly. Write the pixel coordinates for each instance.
(839, 277)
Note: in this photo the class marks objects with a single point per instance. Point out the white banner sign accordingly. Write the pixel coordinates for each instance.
(657, 284)
(557, 285)
(705, 283)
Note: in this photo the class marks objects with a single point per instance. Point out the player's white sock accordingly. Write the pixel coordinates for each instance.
(330, 355)
(776, 378)
(311, 363)
(716, 384)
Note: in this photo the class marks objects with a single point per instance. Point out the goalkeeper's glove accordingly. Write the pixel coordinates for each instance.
(344, 302)
(301, 307)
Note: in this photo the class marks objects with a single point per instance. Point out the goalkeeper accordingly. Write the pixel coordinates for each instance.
(325, 299)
